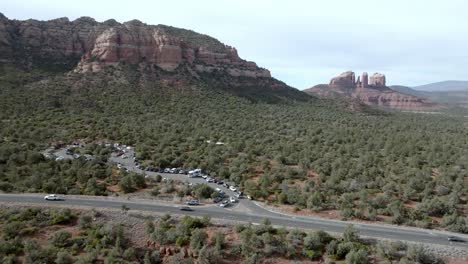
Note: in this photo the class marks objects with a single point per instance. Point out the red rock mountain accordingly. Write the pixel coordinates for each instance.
(370, 91)
(163, 55)
(89, 46)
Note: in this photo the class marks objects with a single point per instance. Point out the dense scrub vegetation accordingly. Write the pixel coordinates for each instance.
(313, 155)
(37, 235)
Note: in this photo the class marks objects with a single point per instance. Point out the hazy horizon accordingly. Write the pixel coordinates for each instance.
(303, 43)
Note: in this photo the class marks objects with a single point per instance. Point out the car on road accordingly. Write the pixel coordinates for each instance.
(53, 197)
(185, 208)
(455, 239)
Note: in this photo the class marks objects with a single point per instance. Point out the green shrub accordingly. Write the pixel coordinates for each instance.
(61, 239)
(312, 254)
(62, 216)
(182, 241)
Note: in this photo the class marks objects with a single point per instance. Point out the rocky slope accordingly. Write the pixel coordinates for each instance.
(371, 91)
(155, 53)
(87, 45)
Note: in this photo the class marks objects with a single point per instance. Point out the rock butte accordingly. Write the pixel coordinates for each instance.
(371, 91)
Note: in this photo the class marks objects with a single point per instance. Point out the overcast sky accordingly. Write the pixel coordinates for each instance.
(304, 43)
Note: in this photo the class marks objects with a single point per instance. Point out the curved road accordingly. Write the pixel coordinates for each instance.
(367, 230)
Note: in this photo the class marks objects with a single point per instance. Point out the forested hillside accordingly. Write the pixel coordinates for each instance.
(311, 154)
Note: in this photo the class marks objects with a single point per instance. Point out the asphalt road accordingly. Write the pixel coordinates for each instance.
(247, 212)
(368, 230)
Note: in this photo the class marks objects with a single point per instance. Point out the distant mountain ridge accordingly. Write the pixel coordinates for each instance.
(443, 86)
(449, 97)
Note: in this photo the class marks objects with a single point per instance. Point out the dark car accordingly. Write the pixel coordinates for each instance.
(217, 199)
(455, 239)
(185, 208)
(220, 182)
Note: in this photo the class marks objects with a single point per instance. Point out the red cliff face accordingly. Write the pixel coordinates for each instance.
(87, 45)
(373, 92)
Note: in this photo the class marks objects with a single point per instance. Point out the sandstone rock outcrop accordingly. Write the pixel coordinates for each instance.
(86, 45)
(378, 80)
(346, 79)
(371, 91)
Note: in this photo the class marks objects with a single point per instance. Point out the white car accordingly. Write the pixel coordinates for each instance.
(52, 197)
(232, 199)
(232, 188)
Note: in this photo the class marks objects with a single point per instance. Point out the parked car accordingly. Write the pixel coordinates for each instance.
(167, 170)
(53, 197)
(239, 195)
(226, 185)
(204, 176)
(220, 182)
(232, 188)
(209, 179)
(232, 199)
(224, 203)
(193, 202)
(250, 197)
(217, 200)
(185, 208)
